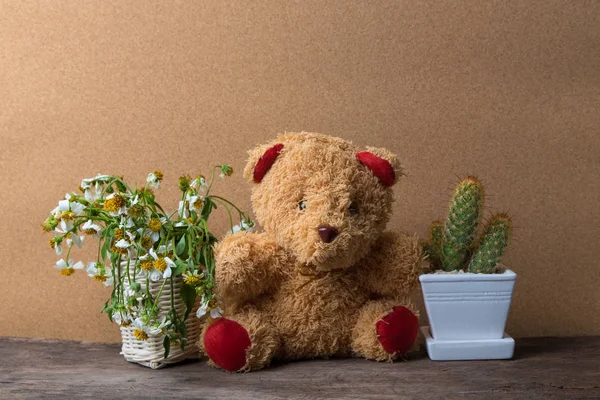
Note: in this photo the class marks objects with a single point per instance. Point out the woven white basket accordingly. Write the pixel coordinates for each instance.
(150, 352)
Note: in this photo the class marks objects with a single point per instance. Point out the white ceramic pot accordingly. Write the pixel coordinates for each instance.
(466, 311)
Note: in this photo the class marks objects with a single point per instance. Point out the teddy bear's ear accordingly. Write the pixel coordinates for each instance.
(260, 160)
(383, 163)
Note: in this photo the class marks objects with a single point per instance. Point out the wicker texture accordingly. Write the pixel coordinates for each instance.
(150, 352)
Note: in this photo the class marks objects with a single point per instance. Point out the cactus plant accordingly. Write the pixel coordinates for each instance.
(461, 223)
(433, 248)
(492, 244)
(452, 246)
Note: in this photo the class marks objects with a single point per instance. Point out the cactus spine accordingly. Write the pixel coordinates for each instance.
(492, 244)
(451, 244)
(461, 223)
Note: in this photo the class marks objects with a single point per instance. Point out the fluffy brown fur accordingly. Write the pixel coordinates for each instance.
(297, 296)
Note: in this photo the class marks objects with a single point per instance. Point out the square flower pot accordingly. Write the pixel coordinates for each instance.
(469, 309)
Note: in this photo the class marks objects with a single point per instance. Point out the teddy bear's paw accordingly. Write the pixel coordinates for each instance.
(398, 330)
(226, 343)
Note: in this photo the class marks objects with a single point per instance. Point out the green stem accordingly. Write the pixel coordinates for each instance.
(159, 293)
(230, 203)
(228, 212)
(128, 274)
(212, 179)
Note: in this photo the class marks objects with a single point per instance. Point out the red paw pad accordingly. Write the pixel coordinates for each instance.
(398, 330)
(226, 342)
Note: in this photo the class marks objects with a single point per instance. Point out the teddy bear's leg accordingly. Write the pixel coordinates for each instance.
(385, 330)
(243, 342)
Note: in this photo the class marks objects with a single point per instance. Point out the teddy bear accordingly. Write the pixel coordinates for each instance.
(324, 278)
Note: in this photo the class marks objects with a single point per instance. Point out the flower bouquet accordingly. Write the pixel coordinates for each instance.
(160, 266)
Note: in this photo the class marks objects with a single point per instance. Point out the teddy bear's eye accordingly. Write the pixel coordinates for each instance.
(353, 208)
(302, 205)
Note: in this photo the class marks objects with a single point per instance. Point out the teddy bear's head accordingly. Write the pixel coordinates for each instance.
(324, 199)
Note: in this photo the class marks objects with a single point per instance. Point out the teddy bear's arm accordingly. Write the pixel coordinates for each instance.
(393, 266)
(247, 265)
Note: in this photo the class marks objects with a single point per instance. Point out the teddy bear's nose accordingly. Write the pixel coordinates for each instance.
(327, 233)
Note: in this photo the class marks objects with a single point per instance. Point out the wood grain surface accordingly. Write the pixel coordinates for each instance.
(543, 368)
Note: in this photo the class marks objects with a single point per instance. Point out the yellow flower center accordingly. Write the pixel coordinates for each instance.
(51, 242)
(146, 265)
(67, 215)
(140, 334)
(154, 224)
(136, 210)
(67, 271)
(119, 234)
(114, 203)
(146, 242)
(198, 204)
(125, 324)
(90, 231)
(213, 303)
(118, 250)
(160, 264)
(192, 280)
(159, 175)
(81, 189)
(100, 278)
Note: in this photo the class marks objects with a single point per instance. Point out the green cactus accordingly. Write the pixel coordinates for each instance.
(433, 248)
(452, 245)
(492, 244)
(461, 224)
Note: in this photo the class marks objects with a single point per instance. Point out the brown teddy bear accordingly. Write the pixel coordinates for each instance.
(324, 278)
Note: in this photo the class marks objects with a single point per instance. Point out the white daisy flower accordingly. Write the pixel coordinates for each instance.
(66, 211)
(58, 248)
(90, 228)
(96, 272)
(143, 331)
(73, 239)
(125, 244)
(182, 209)
(215, 312)
(154, 179)
(121, 317)
(191, 203)
(115, 204)
(155, 228)
(162, 249)
(92, 187)
(199, 184)
(195, 203)
(162, 264)
(243, 226)
(67, 267)
(99, 179)
(122, 244)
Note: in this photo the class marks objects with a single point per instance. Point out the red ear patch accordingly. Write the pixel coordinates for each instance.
(380, 167)
(266, 162)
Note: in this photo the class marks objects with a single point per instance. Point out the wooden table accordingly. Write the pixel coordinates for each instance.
(546, 368)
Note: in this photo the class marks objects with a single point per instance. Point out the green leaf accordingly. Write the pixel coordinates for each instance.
(105, 247)
(188, 295)
(167, 345)
(181, 266)
(179, 249)
(206, 210)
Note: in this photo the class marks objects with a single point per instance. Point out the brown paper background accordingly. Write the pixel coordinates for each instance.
(509, 91)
